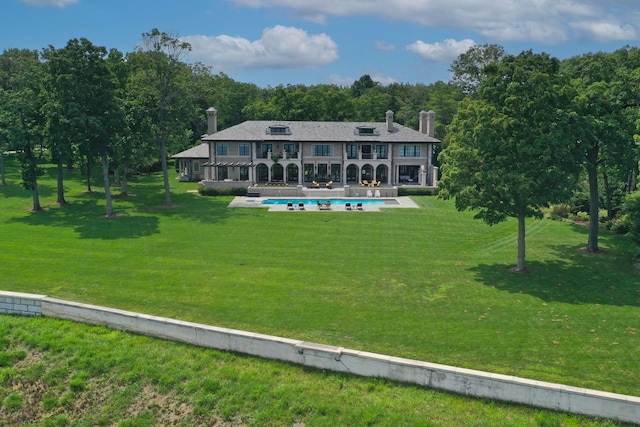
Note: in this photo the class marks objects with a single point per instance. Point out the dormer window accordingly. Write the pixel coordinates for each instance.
(278, 130)
(366, 131)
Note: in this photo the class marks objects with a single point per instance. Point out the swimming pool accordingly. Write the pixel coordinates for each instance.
(333, 201)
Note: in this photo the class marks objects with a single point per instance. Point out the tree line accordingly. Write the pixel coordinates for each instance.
(520, 132)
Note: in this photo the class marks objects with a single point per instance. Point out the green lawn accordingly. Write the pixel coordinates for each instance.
(430, 283)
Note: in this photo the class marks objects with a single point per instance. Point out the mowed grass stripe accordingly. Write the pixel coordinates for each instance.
(429, 283)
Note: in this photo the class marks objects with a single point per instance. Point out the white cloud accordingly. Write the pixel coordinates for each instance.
(605, 31)
(544, 21)
(50, 3)
(441, 52)
(385, 46)
(279, 47)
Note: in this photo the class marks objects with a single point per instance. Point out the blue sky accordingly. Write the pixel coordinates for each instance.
(272, 42)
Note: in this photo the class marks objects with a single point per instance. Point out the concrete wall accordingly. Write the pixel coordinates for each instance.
(19, 303)
(458, 380)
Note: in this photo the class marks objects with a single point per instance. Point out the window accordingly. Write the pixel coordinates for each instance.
(381, 151)
(409, 151)
(244, 173)
(290, 149)
(336, 168)
(352, 151)
(279, 130)
(244, 150)
(366, 131)
(222, 149)
(196, 166)
(323, 150)
(265, 150)
(309, 173)
(223, 173)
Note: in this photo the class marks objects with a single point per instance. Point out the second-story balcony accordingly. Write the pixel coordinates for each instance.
(277, 155)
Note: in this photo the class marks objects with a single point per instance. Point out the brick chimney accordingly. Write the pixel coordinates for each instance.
(212, 121)
(427, 121)
(389, 116)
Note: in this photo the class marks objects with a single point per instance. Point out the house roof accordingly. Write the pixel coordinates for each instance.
(198, 152)
(258, 131)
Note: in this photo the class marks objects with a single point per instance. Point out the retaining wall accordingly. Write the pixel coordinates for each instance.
(458, 380)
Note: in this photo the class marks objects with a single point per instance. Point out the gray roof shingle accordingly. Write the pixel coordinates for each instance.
(257, 131)
(198, 152)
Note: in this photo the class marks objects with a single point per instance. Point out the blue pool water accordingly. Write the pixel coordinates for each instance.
(315, 201)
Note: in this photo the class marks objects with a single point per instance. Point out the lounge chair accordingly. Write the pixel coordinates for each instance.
(347, 206)
(316, 185)
(364, 183)
(290, 206)
(330, 184)
(300, 206)
(359, 206)
(377, 194)
(378, 184)
(369, 194)
(373, 183)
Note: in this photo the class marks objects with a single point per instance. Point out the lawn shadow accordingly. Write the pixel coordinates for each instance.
(15, 189)
(88, 219)
(574, 277)
(184, 206)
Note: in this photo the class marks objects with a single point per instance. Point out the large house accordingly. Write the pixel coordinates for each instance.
(299, 153)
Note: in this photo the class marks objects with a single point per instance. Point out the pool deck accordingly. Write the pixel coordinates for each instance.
(256, 202)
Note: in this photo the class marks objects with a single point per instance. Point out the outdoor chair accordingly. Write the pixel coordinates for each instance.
(290, 206)
(359, 206)
(347, 206)
(369, 194)
(377, 194)
(300, 206)
(330, 184)
(364, 183)
(316, 185)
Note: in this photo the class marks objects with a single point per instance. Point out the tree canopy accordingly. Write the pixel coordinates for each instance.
(511, 150)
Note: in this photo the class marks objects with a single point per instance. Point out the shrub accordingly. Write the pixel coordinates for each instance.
(208, 191)
(630, 217)
(419, 191)
(558, 212)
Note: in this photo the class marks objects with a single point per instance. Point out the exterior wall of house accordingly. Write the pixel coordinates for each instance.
(287, 161)
(392, 169)
(191, 169)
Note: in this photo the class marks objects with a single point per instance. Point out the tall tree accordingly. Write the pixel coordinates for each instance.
(511, 150)
(85, 93)
(21, 120)
(57, 136)
(606, 85)
(469, 68)
(162, 79)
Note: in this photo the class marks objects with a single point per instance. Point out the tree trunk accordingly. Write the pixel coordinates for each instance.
(521, 243)
(594, 208)
(124, 191)
(60, 170)
(165, 171)
(36, 196)
(3, 182)
(89, 174)
(608, 196)
(107, 188)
